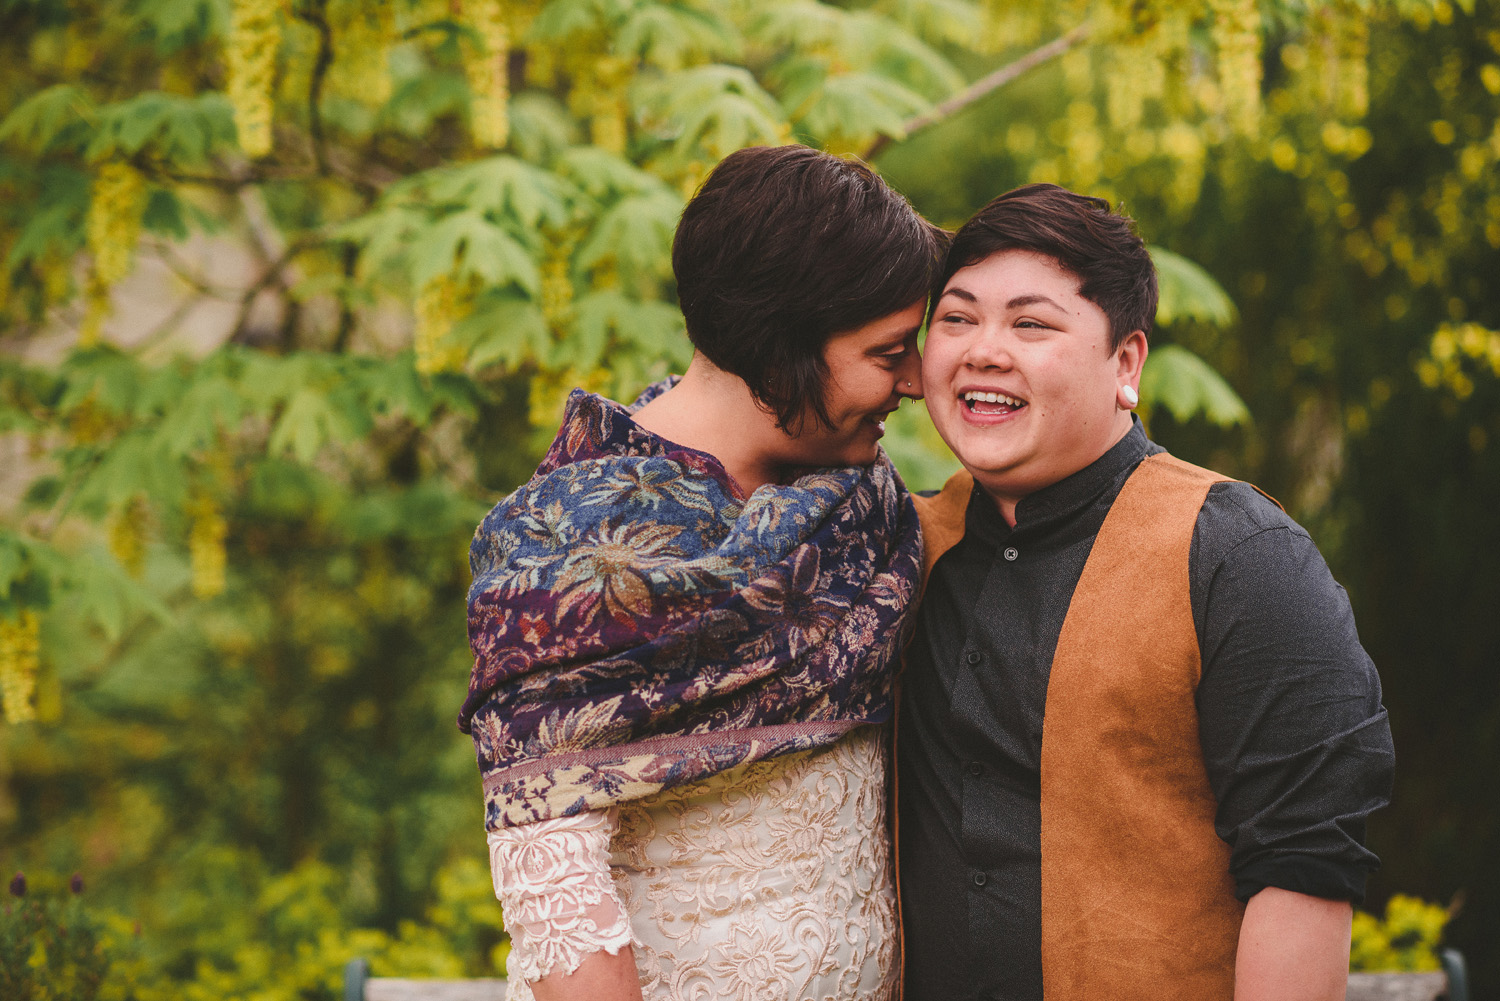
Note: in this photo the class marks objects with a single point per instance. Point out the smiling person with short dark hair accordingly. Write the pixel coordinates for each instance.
(1138, 736)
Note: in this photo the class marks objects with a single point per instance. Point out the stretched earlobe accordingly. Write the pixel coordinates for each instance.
(1131, 397)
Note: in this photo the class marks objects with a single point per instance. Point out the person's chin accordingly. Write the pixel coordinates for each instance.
(985, 460)
(859, 455)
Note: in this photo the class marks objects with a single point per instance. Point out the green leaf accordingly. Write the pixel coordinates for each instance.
(562, 18)
(133, 464)
(37, 122)
(503, 330)
(423, 98)
(164, 215)
(469, 243)
(716, 108)
(502, 186)
(860, 106)
(109, 596)
(210, 405)
(12, 561)
(1186, 386)
(54, 226)
(609, 316)
(802, 25)
(182, 130)
(941, 22)
(603, 175)
(540, 127)
(672, 35)
(1188, 292)
(179, 23)
(308, 423)
(636, 232)
(384, 235)
(105, 377)
(907, 59)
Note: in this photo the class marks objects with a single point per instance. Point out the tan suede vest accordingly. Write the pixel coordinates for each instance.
(1137, 900)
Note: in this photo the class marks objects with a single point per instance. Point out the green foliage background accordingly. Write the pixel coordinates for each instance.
(232, 555)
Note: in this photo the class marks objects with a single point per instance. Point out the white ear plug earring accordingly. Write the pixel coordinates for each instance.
(1131, 396)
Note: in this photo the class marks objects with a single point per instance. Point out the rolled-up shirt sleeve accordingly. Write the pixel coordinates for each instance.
(1295, 740)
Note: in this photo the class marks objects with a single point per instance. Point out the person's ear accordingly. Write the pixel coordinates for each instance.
(1130, 359)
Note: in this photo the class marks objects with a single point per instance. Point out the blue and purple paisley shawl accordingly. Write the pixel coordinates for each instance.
(638, 624)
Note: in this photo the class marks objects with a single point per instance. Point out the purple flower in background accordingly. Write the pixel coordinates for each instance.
(76, 884)
(18, 885)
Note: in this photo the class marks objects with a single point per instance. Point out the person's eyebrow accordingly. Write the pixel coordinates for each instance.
(1032, 300)
(963, 294)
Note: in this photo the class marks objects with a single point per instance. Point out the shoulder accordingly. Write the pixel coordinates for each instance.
(612, 495)
(1234, 513)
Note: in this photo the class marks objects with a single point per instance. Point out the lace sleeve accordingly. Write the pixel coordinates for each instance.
(553, 880)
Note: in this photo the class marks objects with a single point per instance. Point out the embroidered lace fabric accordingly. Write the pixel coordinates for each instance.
(558, 900)
(772, 880)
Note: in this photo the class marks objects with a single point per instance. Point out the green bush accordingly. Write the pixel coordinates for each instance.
(289, 944)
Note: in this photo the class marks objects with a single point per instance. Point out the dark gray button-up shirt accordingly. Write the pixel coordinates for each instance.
(1296, 743)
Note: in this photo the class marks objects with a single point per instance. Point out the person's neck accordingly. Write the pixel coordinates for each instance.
(712, 411)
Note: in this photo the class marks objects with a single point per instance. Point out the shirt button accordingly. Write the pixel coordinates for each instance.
(1011, 553)
(980, 879)
(976, 769)
(974, 657)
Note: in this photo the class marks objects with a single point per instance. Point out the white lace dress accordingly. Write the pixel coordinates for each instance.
(771, 881)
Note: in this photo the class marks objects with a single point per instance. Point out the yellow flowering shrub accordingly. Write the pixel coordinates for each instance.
(1406, 939)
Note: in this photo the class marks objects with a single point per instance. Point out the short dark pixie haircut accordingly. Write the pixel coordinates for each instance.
(1097, 245)
(784, 246)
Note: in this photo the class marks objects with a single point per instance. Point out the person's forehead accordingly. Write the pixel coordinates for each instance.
(1017, 263)
(892, 326)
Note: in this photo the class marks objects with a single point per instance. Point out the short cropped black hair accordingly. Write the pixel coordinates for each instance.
(1082, 234)
(784, 246)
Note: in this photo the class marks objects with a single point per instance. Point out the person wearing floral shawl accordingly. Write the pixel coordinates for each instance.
(685, 624)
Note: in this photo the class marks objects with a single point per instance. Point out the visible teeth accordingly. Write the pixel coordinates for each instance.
(973, 396)
(880, 425)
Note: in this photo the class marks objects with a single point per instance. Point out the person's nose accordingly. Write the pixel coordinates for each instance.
(989, 349)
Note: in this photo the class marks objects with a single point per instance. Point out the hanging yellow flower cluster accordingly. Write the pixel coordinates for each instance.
(114, 219)
(254, 40)
(364, 34)
(487, 67)
(20, 661)
(127, 535)
(441, 303)
(557, 283)
(116, 204)
(1236, 36)
(599, 94)
(206, 552)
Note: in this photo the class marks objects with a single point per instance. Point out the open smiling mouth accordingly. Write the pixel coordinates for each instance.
(991, 404)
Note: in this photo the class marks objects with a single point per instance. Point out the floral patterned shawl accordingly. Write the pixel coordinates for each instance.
(638, 624)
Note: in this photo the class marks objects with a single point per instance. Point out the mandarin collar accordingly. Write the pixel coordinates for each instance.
(1068, 496)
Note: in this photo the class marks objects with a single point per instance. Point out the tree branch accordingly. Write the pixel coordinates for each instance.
(313, 14)
(346, 309)
(272, 276)
(168, 256)
(983, 86)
